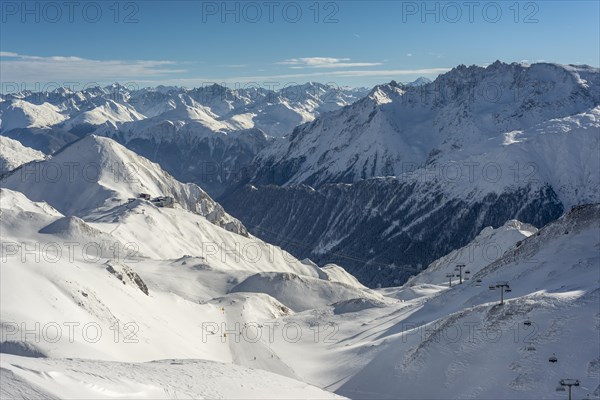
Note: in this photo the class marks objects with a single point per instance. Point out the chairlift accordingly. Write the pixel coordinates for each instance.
(467, 272)
(466, 278)
(553, 359)
(478, 284)
(492, 287)
(527, 323)
(530, 348)
(560, 389)
(478, 281)
(508, 290)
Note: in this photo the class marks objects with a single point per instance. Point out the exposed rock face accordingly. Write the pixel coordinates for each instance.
(127, 275)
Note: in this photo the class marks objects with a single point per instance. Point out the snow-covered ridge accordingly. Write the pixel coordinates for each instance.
(490, 245)
(13, 154)
(98, 173)
(22, 114)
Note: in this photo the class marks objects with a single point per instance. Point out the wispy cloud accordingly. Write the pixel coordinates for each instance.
(16, 67)
(235, 65)
(324, 62)
(20, 68)
(284, 79)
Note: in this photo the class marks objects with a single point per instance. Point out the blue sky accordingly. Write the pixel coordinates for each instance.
(356, 43)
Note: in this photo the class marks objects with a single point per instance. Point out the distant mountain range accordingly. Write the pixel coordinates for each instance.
(204, 135)
(382, 181)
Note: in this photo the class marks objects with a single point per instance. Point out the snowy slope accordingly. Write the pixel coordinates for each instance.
(14, 154)
(26, 378)
(335, 273)
(291, 290)
(487, 247)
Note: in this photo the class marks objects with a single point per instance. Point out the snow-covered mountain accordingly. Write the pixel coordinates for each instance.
(407, 174)
(205, 135)
(453, 119)
(13, 154)
(419, 82)
(97, 173)
(23, 114)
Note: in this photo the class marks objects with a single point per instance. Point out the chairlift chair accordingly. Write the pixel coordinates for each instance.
(492, 287)
(560, 388)
(527, 323)
(530, 348)
(553, 359)
(508, 290)
(569, 382)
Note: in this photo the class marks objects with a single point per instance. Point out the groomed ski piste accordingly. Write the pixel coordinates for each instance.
(108, 295)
